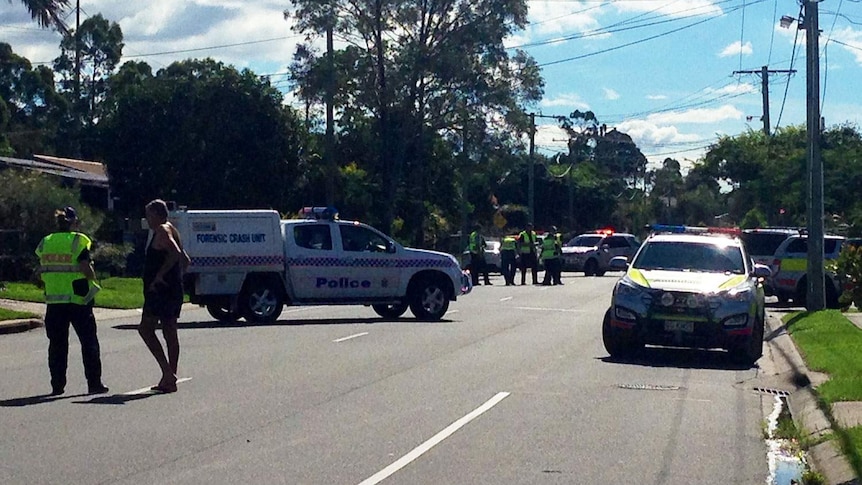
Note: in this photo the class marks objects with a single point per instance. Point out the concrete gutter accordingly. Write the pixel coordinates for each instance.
(827, 457)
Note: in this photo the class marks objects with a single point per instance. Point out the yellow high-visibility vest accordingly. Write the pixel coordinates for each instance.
(58, 267)
(549, 248)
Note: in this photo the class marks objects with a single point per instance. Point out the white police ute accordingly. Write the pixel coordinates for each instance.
(250, 263)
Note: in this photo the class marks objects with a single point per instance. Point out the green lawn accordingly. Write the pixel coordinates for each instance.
(830, 343)
(6, 314)
(122, 293)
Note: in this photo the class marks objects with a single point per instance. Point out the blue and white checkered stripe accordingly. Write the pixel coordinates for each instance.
(205, 261)
(370, 262)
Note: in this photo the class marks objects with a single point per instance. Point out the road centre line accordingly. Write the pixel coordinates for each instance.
(507, 298)
(148, 389)
(355, 335)
(434, 440)
(539, 309)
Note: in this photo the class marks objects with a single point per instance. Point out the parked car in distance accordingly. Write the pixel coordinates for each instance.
(592, 252)
(761, 244)
(492, 255)
(790, 267)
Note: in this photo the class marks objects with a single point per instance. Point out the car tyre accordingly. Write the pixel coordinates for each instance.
(618, 343)
(390, 311)
(428, 300)
(221, 313)
(591, 268)
(752, 349)
(262, 302)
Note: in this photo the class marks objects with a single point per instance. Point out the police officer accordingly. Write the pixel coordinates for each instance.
(66, 271)
(508, 256)
(477, 247)
(551, 254)
(527, 251)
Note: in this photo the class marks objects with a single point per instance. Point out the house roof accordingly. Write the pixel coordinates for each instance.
(86, 172)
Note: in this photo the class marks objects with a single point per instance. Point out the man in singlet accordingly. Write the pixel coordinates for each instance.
(163, 292)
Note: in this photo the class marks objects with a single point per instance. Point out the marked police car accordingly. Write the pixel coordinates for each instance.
(691, 287)
(251, 263)
(790, 269)
(592, 252)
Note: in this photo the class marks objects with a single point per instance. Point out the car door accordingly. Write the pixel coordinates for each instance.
(614, 246)
(370, 262)
(313, 262)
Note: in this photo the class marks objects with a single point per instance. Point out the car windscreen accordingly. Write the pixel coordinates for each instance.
(687, 256)
(585, 241)
(762, 243)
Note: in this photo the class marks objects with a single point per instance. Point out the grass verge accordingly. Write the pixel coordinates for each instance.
(121, 293)
(6, 314)
(831, 344)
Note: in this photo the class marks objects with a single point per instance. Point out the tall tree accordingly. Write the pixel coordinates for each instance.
(203, 134)
(424, 71)
(47, 13)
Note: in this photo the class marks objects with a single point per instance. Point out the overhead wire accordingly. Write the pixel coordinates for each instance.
(826, 56)
(792, 61)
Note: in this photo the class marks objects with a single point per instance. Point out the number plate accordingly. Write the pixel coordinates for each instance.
(678, 326)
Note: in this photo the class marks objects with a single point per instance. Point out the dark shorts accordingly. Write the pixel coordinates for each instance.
(162, 305)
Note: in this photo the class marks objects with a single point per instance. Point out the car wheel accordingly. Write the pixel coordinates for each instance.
(390, 311)
(262, 302)
(618, 343)
(600, 272)
(221, 312)
(831, 295)
(591, 268)
(428, 300)
(751, 350)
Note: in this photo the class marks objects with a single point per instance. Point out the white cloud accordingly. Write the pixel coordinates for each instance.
(656, 97)
(568, 101)
(611, 94)
(851, 41)
(676, 9)
(736, 49)
(697, 116)
(554, 17)
(738, 88)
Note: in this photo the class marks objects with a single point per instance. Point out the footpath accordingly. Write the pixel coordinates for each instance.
(785, 372)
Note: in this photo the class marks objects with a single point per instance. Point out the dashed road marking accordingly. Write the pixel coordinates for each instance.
(434, 440)
(540, 309)
(507, 298)
(355, 335)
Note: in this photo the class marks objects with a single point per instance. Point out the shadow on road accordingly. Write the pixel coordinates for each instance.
(681, 358)
(291, 323)
(38, 399)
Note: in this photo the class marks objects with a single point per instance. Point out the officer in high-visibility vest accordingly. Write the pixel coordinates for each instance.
(476, 246)
(508, 257)
(66, 271)
(551, 253)
(527, 252)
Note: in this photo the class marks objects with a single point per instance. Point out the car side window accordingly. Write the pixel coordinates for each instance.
(617, 242)
(798, 246)
(313, 236)
(359, 239)
(830, 246)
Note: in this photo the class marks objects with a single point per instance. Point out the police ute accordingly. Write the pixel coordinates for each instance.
(250, 263)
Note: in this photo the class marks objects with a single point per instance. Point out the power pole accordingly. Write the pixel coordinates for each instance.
(329, 156)
(531, 169)
(816, 274)
(764, 83)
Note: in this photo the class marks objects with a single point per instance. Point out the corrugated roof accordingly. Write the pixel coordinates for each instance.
(80, 170)
(94, 168)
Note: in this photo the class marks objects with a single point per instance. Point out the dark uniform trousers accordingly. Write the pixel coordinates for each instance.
(58, 316)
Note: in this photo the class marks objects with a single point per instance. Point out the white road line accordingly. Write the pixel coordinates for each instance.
(436, 439)
(302, 309)
(539, 309)
(342, 339)
(452, 311)
(146, 390)
(507, 298)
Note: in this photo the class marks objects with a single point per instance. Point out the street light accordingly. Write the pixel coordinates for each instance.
(786, 21)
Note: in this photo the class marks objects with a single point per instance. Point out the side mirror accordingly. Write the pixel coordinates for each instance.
(390, 247)
(619, 263)
(762, 271)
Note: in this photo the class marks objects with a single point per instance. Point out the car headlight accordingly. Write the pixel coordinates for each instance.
(627, 288)
(739, 293)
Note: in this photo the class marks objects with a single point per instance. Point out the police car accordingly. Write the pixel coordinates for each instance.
(790, 269)
(592, 252)
(251, 263)
(691, 287)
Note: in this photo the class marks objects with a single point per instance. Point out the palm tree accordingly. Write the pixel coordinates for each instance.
(47, 12)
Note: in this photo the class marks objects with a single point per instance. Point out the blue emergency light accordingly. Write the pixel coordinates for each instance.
(680, 229)
(319, 213)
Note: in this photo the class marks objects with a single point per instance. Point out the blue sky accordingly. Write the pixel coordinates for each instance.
(660, 70)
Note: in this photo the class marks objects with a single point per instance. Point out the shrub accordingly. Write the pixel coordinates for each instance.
(848, 267)
(111, 258)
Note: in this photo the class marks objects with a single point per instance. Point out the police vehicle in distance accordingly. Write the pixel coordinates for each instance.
(689, 287)
(762, 243)
(251, 263)
(592, 252)
(790, 269)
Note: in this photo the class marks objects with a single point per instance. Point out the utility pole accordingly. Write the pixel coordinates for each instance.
(816, 275)
(531, 169)
(329, 157)
(764, 83)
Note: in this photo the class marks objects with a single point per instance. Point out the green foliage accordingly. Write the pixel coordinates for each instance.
(122, 293)
(753, 219)
(811, 477)
(110, 259)
(6, 314)
(848, 267)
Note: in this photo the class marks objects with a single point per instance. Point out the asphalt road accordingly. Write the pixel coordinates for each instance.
(514, 387)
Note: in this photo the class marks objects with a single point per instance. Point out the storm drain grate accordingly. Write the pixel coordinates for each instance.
(648, 387)
(774, 392)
